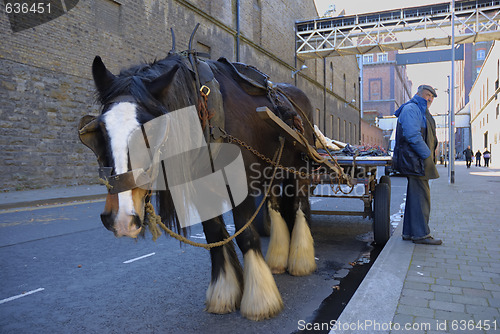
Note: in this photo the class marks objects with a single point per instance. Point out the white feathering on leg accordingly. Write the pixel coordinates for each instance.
(279, 243)
(224, 295)
(261, 298)
(301, 260)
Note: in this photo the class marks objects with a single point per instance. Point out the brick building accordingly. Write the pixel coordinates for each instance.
(385, 85)
(46, 84)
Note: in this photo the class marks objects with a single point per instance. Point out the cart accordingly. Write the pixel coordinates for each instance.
(376, 196)
(362, 170)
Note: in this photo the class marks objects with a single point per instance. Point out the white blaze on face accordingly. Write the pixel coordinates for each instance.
(120, 122)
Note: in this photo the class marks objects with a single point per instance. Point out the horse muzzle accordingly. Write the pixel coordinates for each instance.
(123, 225)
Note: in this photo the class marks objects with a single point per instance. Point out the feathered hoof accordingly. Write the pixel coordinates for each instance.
(261, 298)
(301, 260)
(224, 295)
(278, 271)
(279, 244)
(302, 266)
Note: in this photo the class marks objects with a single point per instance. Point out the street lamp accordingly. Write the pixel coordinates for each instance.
(303, 67)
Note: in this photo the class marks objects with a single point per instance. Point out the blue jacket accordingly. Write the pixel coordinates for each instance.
(411, 149)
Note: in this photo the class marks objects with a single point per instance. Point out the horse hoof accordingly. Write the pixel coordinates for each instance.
(279, 244)
(278, 271)
(301, 260)
(224, 294)
(261, 298)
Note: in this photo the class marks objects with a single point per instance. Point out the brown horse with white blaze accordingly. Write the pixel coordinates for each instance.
(148, 91)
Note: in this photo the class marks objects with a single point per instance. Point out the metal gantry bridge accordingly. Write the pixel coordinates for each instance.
(399, 29)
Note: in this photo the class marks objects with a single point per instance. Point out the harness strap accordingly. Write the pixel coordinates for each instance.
(122, 182)
(154, 220)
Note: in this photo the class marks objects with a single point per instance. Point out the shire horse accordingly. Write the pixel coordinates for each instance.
(147, 91)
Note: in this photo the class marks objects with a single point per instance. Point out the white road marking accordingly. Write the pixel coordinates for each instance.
(50, 206)
(21, 295)
(139, 258)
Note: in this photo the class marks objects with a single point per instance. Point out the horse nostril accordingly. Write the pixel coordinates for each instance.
(108, 221)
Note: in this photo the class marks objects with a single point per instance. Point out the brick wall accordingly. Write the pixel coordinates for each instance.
(46, 84)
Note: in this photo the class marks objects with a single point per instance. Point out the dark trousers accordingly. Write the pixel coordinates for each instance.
(486, 162)
(478, 162)
(417, 209)
(468, 162)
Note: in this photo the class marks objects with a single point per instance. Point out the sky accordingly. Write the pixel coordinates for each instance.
(434, 74)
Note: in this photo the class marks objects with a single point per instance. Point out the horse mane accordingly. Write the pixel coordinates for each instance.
(132, 82)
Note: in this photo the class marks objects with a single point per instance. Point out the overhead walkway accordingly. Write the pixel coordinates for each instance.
(398, 29)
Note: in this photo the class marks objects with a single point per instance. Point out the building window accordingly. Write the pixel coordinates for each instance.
(367, 59)
(478, 69)
(331, 83)
(480, 54)
(497, 112)
(375, 89)
(346, 136)
(257, 21)
(337, 129)
(345, 87)
(108, 15)
(332, 125)
(381, 57)
(486, 139)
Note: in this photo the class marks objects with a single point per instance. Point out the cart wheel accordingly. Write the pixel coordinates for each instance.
(387, 180)
(381, 213)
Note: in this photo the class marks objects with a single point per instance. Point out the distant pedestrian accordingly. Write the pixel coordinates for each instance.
(415, 157)
(468, 156)
(478, 158)
(486, 156)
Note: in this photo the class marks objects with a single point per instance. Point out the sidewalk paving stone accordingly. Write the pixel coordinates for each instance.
(465, 268)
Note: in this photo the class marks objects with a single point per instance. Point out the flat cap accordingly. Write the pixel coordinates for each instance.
(429, 88)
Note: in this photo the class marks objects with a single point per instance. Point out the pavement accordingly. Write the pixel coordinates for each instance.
(451, 288)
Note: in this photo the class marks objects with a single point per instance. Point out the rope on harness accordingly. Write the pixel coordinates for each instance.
(105, 182)
(154, 221)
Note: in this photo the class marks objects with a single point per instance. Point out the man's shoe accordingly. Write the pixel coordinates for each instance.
(428, 241)
(406, 237)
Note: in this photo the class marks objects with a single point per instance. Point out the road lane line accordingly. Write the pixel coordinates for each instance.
(50, 206)
(21, 295)
(139, 258)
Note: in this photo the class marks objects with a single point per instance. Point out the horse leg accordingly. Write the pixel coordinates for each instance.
(279, 242)
(261, 298)
(301, 260)
(226, 285)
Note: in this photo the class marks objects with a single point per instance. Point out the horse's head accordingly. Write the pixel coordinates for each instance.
(128, 100)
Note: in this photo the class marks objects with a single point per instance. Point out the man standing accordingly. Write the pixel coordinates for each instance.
(414, 156)
(478, 158)
(468, 156)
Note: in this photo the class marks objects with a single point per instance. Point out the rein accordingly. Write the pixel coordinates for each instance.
(154, 221)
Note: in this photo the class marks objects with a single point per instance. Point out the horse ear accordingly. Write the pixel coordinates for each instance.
(102, 77)
(158, 85)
